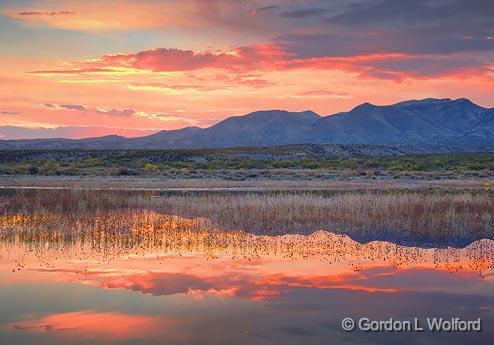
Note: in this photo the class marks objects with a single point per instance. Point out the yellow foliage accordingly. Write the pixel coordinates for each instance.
(150, 166)
(487, 186)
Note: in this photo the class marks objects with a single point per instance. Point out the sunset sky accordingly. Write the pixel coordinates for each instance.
(89, 68)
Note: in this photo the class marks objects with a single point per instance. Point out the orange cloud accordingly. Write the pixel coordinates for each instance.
(259, 283)
(275, 57)
(259, 56)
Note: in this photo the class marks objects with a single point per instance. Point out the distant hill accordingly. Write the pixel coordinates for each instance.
(416, 125)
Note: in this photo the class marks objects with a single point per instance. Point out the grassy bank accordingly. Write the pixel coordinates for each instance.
(301, 182)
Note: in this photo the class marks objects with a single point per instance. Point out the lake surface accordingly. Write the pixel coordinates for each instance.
(191, 285)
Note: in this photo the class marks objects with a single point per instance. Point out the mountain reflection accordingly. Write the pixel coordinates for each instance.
(115, 235)
(163, 255)
(139, 274)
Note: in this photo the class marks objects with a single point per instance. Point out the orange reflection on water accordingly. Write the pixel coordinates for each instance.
(375, 267)
(90, 324)
(164, 255)
(139, 276)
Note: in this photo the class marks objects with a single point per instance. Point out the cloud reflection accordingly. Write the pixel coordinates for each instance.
(91, 324)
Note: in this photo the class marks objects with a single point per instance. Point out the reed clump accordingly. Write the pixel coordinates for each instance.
(436, 218)
(121, 234)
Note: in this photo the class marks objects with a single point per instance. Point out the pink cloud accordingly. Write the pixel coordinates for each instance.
(257, 56)
(90, 324)
(275, 57)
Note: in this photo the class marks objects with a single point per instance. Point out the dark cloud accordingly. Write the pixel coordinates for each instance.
(82, 108)
(54, 106)
(303, 13)
(74, 71)
(77, 107)
(308, 45)
(416, 41)
(39, 13)
(462, 15)
(378, 26)
(6, 112)
(421, 26)
(118, 112)
(260, 10)
(425, 66)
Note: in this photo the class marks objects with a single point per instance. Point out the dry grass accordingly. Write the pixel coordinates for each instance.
(106, 225)
(419, 217)
(415, 213)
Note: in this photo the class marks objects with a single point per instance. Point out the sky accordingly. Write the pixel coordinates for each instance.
(78, 69)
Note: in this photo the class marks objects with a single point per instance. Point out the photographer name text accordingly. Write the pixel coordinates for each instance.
(430, 324)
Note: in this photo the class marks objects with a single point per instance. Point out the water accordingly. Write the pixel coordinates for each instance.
(190, 284)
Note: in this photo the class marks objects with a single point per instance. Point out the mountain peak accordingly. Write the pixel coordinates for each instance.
(436, 102)
(462, 101)
(271, 115)
(422, 102)
(307, 113)
(282, 112)
(364, 107)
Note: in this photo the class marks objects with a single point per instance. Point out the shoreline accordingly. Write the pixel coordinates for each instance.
(133, 183)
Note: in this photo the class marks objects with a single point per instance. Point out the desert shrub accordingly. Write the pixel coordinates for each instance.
(150, 167)
(33, 170)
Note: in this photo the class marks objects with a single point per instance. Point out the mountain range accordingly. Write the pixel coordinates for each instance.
(427, 125)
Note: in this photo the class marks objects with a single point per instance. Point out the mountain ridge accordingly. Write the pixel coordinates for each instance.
(432, 122)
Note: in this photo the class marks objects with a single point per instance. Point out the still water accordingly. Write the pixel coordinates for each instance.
(191, 285)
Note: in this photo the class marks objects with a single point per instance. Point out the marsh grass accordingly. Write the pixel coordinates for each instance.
(102, 226)
(428, 219)
(103, 238)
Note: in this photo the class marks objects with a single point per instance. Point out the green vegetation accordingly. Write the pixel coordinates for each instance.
(259, 161)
